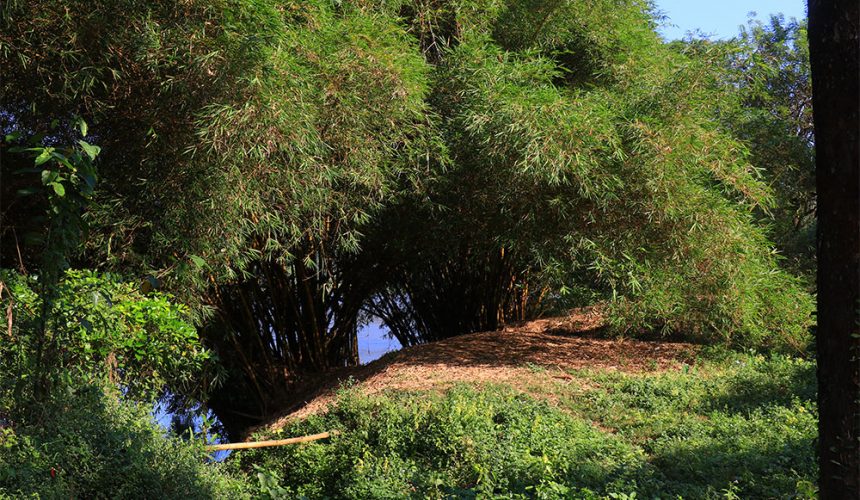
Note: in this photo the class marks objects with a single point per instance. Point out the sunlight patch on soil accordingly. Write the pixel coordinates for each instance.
(535, 357)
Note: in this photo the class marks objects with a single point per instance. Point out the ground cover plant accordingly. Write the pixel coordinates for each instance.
(729, 426)
(88, 444)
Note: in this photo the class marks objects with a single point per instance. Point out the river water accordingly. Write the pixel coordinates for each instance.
(373, 343)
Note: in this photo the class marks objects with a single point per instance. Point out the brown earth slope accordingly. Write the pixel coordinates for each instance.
(527, 356)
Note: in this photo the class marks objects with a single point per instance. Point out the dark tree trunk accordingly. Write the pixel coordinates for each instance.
(281, 328)
(834, 44)
(434, 297)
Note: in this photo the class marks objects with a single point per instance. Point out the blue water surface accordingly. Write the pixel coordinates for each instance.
(372, 344)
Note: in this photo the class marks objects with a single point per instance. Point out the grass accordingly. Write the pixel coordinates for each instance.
(732, 425)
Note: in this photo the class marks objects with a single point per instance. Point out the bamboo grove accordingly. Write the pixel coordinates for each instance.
(291, 169)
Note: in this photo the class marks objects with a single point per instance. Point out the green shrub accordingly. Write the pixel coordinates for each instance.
(86, 444)
(102, 329)
(460, 444)
(739, 422)
(734, 424)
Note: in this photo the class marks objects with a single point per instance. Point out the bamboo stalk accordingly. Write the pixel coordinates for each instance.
(274, 442)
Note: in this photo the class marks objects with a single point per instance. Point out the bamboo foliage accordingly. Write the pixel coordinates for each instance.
(589, 152)
(288, 168)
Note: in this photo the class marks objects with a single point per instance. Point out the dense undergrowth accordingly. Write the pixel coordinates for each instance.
(728, 426)
(90, 444)
(731, 425)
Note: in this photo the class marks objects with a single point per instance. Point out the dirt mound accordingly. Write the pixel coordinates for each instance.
(527, 356)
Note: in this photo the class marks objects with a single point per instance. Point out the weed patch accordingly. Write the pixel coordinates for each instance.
(740, 425)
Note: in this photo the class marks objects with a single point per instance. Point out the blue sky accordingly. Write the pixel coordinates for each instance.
(721, 18)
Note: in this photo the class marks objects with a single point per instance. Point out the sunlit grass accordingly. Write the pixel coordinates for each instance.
(728, 425)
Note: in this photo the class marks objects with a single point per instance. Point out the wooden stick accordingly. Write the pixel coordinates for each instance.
(274, 442)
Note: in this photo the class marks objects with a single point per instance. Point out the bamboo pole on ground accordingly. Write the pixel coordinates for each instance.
(273, 442)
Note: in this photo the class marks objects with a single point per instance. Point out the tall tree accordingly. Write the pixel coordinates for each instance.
(769, 73)
(834, 43)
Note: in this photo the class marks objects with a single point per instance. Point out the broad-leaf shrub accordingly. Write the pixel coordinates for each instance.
(86, 443)
(106, 329)
(87, 437)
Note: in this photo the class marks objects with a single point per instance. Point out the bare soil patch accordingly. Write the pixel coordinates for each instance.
(527, 356)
